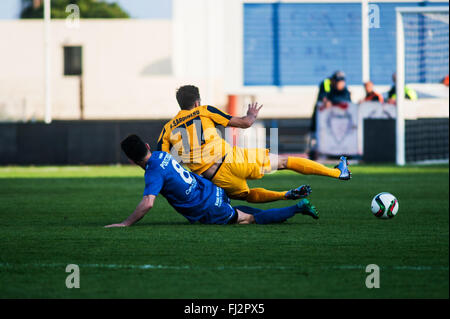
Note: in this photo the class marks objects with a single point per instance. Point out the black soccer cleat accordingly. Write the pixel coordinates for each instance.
(299, 192)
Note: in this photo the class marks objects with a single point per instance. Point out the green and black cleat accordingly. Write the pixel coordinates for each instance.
(306, 208)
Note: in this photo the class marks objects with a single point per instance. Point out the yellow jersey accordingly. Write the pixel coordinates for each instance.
(191, 136)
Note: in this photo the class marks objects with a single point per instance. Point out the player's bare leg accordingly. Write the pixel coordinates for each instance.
(244, 219)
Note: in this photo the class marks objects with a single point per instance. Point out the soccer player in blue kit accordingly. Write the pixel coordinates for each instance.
(193, 196)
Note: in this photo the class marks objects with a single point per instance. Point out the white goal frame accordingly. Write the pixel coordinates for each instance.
(400, 82)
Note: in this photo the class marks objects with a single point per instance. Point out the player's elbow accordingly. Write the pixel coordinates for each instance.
(247, 123)
(147, 204)
(147, 207)
(240, 122)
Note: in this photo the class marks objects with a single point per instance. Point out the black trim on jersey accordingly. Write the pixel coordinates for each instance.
(201, 138)
(214, 110)
(220, 165)
(159, 145)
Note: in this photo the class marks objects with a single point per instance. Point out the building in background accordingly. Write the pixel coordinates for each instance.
(276, 52)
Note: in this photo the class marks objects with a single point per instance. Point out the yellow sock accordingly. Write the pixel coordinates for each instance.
(308, 167)
(261, 195)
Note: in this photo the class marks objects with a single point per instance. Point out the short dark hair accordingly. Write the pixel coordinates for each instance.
(187, 96)
(134, 148)
(338, 76)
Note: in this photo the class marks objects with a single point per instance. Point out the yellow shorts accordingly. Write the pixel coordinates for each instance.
(239, 166)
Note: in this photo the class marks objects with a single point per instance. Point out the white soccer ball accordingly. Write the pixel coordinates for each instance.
(384, 205)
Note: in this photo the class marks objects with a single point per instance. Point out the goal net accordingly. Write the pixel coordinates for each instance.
(421, 91)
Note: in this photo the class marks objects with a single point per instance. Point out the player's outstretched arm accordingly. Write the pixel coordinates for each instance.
(249, 119)
(144, 206)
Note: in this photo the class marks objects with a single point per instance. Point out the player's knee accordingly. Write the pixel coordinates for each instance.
(278, 162)
(282, 162)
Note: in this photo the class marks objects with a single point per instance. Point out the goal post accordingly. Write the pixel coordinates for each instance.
(422, 58)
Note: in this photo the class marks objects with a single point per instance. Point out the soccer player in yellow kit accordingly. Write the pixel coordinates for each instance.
(191, 137)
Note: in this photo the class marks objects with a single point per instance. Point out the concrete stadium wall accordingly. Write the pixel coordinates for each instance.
(127, 69)
(133, 67)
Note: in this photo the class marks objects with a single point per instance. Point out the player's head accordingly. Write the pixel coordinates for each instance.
(368, 86)
(134, 148)
(338, 79)
(188, 97)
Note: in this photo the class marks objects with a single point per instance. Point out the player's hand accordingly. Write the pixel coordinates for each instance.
(116, 225)
(253, 109)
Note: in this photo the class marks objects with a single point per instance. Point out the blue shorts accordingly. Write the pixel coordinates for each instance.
(220, 212)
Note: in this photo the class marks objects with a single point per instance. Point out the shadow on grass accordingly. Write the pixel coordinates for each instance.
(152, 224)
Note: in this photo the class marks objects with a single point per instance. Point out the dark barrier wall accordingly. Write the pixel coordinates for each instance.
(379, 141)
(425, 139)
(98, 142)
(71, 142)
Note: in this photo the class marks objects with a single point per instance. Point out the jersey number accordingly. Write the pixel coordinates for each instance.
(183, 173)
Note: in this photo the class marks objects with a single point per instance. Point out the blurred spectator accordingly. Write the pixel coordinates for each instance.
(332, 90)
(338, 92)
(371, 95)
(445, 80)
(410, 94)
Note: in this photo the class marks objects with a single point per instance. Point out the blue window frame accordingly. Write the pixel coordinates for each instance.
(303, 43)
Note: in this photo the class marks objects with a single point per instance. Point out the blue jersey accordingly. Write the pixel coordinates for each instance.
(191, 195)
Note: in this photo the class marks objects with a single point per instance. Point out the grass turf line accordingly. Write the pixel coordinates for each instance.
(54, 216)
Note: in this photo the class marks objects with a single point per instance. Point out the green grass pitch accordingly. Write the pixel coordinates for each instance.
(54, 216)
